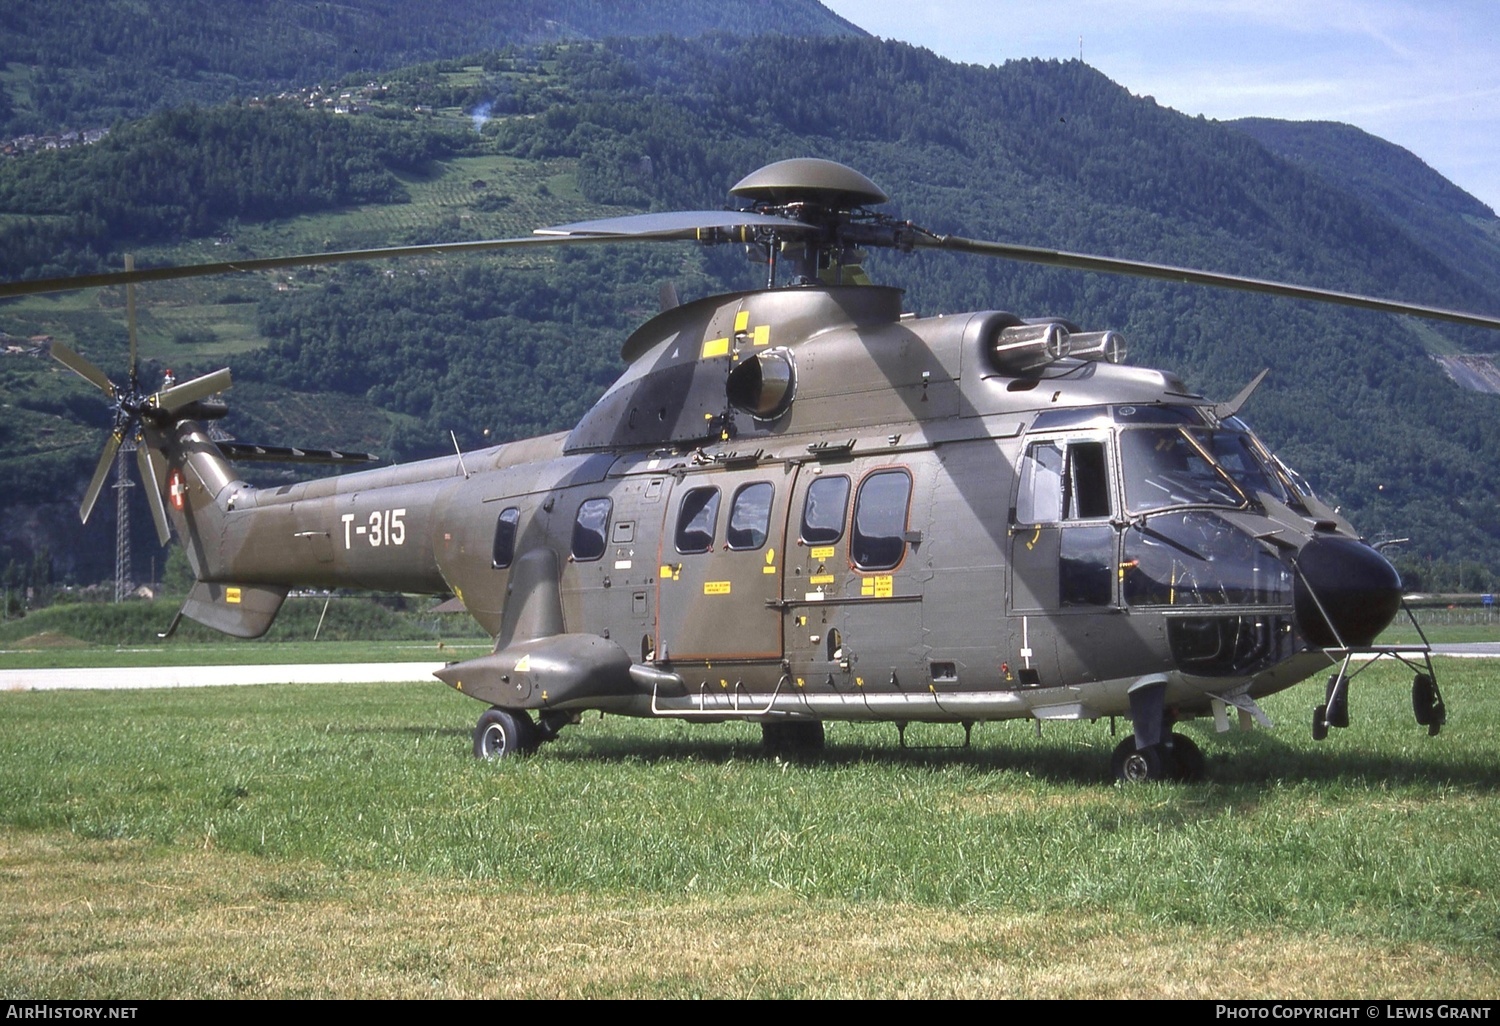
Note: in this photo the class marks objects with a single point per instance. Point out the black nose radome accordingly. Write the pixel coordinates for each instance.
(1345, 591)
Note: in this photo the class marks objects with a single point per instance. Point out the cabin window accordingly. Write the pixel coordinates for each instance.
(879, 538)
(750, 516)
(697, 520)
(504, 549)
(823, 510)
(590, 529)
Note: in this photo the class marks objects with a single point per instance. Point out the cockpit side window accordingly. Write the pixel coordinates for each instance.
(1063, 481)
(1040, 501)
(1088, 481)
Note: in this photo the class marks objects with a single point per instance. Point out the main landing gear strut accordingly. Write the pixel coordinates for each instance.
(1153, 752)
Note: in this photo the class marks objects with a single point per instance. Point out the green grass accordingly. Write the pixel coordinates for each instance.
(1442, 634)
(1364, 864)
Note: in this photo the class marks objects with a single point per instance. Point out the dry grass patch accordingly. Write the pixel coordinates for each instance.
(119, 919)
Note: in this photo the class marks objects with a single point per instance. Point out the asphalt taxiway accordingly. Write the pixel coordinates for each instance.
(118, 677)
(113, 678)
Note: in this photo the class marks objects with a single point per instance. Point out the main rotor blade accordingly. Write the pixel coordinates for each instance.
(178, 396)
(81, 366)
(1166, 272)
(145, 461)
(130, 322)
(677, 224)
(113, 278)
(96, 483)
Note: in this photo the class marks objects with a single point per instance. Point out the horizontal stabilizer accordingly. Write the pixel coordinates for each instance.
(240, 610)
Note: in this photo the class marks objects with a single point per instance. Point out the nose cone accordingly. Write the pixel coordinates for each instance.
(1345, 591)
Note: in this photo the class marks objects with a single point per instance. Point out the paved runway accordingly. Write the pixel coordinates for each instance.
(340, 673)
(1470, 650)
(210, 676)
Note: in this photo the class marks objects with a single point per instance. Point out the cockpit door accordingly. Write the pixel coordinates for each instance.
(1064, 544)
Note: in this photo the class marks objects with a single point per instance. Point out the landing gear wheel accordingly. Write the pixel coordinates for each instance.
(1320, 723)
(1134, 765)
(503, 733)
(1188, 761)
(792, 737)
(1427, 703)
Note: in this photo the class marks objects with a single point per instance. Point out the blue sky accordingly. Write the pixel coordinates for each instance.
(1424, 75)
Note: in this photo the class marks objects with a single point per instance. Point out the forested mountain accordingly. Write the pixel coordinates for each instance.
(1395, 182)
(1042, 153)
(86, 63)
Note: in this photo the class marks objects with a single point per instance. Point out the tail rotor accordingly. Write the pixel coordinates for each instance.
(133, 407)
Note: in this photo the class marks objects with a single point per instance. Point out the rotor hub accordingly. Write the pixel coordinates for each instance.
(809, 180)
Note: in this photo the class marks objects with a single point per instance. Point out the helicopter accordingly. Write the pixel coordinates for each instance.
(800, 503)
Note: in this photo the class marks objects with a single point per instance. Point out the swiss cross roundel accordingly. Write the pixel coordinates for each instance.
(176, 488)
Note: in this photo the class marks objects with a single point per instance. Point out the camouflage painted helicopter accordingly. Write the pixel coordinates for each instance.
(800, 504)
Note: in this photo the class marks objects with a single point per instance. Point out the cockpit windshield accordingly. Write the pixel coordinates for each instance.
(1195, 464)
(1174, 466)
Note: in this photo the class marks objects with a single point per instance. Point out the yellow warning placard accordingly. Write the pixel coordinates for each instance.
(716, 587)
(876, 587)
(821, 552)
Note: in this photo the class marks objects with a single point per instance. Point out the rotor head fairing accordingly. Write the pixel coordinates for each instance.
(811, 180)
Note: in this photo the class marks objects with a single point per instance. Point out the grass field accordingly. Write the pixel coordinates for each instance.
(299, 841)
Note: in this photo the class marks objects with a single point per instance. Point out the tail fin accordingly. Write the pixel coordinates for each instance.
(192, 486)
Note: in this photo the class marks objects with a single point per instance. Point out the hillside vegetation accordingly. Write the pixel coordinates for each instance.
(88, 63)
(1042, 153)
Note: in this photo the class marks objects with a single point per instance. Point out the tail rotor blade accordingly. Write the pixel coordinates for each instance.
(178, 396)
(145, 461)
(101, 472)
(81, 366)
